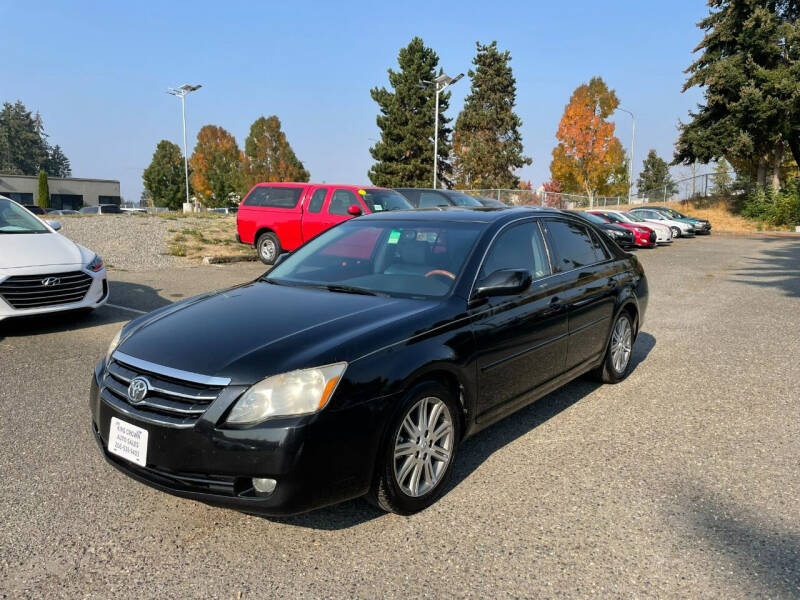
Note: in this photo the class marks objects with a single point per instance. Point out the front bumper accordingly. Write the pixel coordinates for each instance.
(95, 297)
(317, 460)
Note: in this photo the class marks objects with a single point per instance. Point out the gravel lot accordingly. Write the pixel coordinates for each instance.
(682, 481)
(132, 243)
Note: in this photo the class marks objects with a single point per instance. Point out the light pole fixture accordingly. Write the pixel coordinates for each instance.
(633, 139)
(181, 92)
(442, 82)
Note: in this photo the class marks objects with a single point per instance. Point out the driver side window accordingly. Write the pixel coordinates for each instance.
(519, 247)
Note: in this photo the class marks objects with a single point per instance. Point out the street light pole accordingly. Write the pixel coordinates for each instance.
(181, 93)
(442, 82)
(633, 139)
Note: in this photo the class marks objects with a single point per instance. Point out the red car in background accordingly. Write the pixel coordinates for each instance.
(275, 217)
(643, 237)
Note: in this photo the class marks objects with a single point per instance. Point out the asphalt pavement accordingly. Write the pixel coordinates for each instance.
(682, 481)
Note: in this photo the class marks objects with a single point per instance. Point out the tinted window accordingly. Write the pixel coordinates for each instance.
(273, 197)
(574, 246)
(341, 201)
(110, 209)
(432, 199)
(519, 247)
(461, 199)
(378, 200)
(403, 258)
(315, 205)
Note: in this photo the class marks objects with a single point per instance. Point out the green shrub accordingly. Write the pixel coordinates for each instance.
(778, 208)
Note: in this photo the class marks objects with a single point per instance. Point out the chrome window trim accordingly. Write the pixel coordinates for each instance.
(146, 365)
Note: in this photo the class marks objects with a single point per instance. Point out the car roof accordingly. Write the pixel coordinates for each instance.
(477, 214)
(348, 186)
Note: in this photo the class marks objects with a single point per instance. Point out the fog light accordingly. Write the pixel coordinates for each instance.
(264, 485)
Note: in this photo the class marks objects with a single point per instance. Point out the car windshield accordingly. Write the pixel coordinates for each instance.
(612, 217)
(592, 218)
(634, 217)
(461, 199)
(674, 213)
(15, 219)
(419, 259)
(378, 200)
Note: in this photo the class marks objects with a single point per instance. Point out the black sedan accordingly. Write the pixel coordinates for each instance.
(622, 236)
(433, 198)
(360, 362)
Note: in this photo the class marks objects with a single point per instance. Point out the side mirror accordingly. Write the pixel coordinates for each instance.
(55, 224)
(354, 209)
(282, 257)
(504, 282)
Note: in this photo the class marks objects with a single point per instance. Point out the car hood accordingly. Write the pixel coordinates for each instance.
(258, 329)
(22, 250)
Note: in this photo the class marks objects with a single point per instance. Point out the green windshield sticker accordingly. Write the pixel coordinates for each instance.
(394, 237)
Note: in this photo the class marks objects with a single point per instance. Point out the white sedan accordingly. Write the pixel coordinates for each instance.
(679, 228)
(41, 271)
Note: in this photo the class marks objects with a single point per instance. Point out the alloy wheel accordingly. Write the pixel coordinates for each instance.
(423, 447)
(267, 250)
(676, 232)
(621, 343)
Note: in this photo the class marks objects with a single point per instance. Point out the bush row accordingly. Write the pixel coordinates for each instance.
(775, 207)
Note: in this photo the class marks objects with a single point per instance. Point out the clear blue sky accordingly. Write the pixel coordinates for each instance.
(97, 71)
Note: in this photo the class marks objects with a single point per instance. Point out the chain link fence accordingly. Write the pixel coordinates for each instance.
(551, 199)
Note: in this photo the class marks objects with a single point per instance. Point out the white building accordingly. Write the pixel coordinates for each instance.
(65, 192)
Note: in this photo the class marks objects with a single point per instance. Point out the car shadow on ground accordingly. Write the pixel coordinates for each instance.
(768, 557)
(122, 293)
(778, 268)
(476, 449)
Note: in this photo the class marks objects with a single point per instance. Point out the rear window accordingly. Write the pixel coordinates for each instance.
(273, 197)
(379, 200)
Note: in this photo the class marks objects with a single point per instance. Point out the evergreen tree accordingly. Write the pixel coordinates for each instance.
(404, 154)
(655, 177)
(268, 155)
(23, 146)
(749, 67)
(216, 167)
(721, 179)
(487, 144)
(57, 163)
(43, 193)
(164, 179)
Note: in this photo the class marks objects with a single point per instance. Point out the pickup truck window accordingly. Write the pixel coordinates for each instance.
(315, 204)
(273, 197)
(341, 201)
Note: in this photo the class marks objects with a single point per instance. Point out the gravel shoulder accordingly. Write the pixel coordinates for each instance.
(144, 243)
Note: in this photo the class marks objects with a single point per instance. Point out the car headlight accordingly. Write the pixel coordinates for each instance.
(95, 264)
(113, 345)
(295, 393)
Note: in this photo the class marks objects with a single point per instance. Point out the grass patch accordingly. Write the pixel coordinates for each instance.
(207, 235)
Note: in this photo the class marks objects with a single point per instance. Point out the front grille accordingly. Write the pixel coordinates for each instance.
(168, 401)
(30, 291)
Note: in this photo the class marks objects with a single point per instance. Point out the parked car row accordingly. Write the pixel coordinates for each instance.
(278, 217)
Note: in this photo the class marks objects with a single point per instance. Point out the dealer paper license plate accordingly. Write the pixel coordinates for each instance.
(128, 441)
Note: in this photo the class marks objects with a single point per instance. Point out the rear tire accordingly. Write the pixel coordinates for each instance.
(268, 248)
(416, 458)
(617, 361)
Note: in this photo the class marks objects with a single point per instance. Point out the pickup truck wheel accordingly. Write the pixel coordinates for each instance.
(268, 247)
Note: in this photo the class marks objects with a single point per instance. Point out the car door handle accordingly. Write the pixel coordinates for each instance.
(555, 304)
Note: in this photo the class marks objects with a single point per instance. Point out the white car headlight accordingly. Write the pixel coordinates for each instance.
(95, 264)
(113, 345)
(295, 393)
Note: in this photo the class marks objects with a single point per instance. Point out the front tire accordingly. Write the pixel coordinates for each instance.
(417, 456)
(268, 247)
(676, 231)
(617, 361)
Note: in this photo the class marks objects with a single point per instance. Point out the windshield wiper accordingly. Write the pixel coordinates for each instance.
(347, 289)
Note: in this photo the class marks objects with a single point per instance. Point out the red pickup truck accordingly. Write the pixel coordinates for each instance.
(275, 217)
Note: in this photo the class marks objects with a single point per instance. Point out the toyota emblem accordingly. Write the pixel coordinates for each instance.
(137, 390)
(50, 281)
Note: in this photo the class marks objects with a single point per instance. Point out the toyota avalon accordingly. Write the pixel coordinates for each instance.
(362, 360)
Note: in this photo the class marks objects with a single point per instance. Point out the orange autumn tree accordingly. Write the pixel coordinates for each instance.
(589, 159)
(216, 165)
